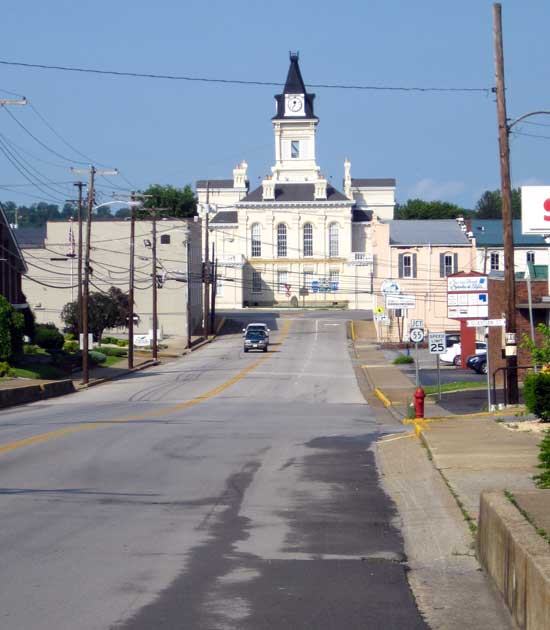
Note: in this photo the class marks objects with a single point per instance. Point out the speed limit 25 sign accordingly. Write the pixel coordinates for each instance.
(436, 343)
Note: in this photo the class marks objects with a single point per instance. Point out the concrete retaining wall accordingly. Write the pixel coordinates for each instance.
(32, 393)
(517, 559)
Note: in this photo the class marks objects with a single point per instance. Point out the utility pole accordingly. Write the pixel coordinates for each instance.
(214, 267)
(155, 311)
(131, 281)
(80, 186)
(206, 266)
(506, 194)
(86, 289)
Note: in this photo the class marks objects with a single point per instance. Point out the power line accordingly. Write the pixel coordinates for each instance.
(172, 77)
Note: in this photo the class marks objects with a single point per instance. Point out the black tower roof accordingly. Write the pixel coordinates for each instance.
(294, 85)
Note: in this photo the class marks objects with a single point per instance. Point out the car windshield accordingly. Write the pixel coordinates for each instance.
(255, 335)
(256, 327)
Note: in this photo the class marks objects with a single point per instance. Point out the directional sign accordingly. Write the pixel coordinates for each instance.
(479, 323)
(436, 342)
(417, 323)
(417, 335)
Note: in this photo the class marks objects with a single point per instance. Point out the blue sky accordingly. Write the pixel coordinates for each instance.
(437, 145)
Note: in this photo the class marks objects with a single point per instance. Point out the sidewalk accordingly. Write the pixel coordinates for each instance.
(389, 383)
(478, 475)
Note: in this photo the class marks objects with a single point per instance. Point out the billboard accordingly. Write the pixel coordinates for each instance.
(535, 209)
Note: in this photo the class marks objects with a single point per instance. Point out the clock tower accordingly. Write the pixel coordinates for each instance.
(294, 125)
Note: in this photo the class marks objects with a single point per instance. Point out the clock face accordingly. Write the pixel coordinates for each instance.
(295, 103)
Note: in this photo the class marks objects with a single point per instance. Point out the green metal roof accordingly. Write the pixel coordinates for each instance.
(488, 233)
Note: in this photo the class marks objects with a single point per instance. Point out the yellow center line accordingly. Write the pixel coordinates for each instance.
(12, 446)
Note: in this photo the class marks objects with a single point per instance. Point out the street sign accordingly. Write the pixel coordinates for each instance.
(535, 209)
(417, 335)
(401, 301)
(479, 323)
(417, 323)
(436, 342)
(390, 287)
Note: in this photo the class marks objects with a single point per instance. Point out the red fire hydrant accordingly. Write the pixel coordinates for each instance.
(419, 396)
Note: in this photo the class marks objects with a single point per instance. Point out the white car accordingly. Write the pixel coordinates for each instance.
(452, 354)
(257, 326)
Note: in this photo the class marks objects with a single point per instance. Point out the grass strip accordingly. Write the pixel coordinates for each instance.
(457, 386)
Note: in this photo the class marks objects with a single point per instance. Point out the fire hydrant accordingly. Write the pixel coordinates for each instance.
(419, 396)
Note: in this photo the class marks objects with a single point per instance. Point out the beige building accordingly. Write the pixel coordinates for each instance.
(295, 239)
(53, 270)
(414, 258)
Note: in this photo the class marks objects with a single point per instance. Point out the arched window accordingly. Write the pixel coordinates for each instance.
(256, 240)
(333, 240)
(281, 240)
(308, 239)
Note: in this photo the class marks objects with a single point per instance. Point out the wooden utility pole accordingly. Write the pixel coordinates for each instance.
(155, 311)
(80, 186)
(507, 225)
(206, 267)
(214, 267)
(86, 288)
(131, 285)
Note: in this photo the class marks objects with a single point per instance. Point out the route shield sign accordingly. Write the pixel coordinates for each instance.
(416, 335)
(436, 342)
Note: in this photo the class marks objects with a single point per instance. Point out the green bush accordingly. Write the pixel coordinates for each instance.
(97, 357)
(31, 348)
(70, 336)
(113, 352)
(48, 337)
(12, 326)
(112, 340)
(536, 393)
(543, 479)
(5, 369)
(401, 359)
(71, 346)
(122, 342)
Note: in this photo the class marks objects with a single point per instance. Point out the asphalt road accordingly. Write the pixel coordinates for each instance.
(221, 491)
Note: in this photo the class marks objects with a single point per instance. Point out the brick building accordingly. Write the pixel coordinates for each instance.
(541, 311)
(12, 265)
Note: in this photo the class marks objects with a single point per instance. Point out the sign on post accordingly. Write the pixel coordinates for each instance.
(417, 323)
(416, 335)
(436, 342)
(401, 300)
(480, 323)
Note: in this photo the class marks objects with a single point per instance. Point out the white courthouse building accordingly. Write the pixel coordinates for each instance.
(295, 239)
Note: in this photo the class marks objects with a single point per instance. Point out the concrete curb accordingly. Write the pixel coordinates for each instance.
(33, 393)
(382, 397)
(517, 559)
(99, 381)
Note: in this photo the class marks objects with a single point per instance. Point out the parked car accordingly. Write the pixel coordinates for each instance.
(452, 354)
(478, 363)
(257, 326)
(451, 339)
(256, 340)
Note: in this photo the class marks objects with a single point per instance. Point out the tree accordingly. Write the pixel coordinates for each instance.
(179, 202)
(105, 310)
(12, 324)
(489, 205)
(123, 213)
(419, 209)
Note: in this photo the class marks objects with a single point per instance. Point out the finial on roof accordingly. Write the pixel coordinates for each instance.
(294, 56)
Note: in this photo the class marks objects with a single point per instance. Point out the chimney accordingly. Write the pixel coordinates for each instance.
(347, 179)
(268, 185)
(321, 188)
(239, 175)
